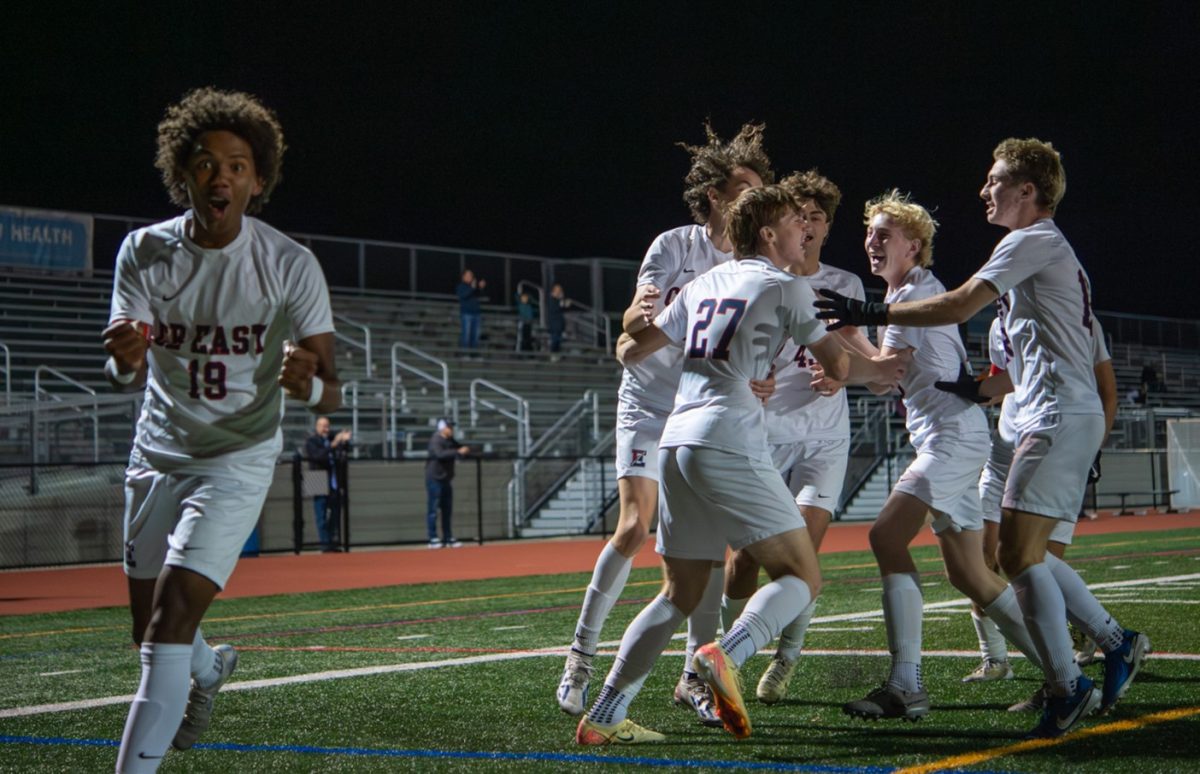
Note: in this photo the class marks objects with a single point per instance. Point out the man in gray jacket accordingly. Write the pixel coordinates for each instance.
(439, 472)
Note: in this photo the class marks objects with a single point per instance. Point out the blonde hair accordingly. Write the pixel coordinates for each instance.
(1033, 161)
(912, 218)
(754, 209)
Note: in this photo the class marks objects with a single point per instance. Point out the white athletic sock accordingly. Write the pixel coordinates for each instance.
(730, 610)
(791, 639)
(641, 645)
(157, 708)
(1006, 613)
(608, 581)
(702, 623)
(1083, 607)
(1045, 613)
(767, 612)
(903, 608)
(992, 645)
(206, 664)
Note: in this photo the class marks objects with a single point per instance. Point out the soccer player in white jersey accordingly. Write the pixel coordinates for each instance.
(204, 310)
(993, 647)
(720, 171)
(950, 436)
(808, 432)
(719, 487)
(1059, 418)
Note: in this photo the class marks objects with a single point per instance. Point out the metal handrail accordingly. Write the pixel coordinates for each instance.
(518, 512)
(7, 374)
(444, 382)
(520, 416)
(37, 393)
(597, 322)
(364, 345)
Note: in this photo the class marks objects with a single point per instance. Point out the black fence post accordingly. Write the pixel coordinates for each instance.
(297, 503)
(343, 494)
(479, 499)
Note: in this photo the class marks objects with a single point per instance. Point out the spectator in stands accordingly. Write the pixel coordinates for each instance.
(1150, 382)
(208, 437)
(325, 453)
(470, 294)
(556, 322)
(526, 315)
(439, 473)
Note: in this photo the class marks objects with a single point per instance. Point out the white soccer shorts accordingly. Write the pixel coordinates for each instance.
(814, 471)
(638, 433)
(1050, 466)
(945, 476)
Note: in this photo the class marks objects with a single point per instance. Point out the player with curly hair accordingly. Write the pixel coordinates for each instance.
(205, 308)
(809, 432)
(720, 171)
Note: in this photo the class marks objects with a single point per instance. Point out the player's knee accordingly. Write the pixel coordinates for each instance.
(630, 536)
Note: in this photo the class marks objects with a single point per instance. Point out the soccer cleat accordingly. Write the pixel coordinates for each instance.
(694, 694)
(715, 667)
(1121, 666)
(1035, 703)
(989, 670)
(198, 713)
(1063, 713)
(773, 684)
(1084, 647)
(888, 702)
(573, 687)
(625, 732)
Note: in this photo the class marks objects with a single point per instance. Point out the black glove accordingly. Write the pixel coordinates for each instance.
(964, 387)
(1094, 471)
(849, 311)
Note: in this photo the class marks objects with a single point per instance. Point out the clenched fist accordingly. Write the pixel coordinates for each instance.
(126, 341)
(296, 374)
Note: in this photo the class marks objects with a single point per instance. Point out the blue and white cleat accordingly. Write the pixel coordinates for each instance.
(1063, 713)
(1121, 666)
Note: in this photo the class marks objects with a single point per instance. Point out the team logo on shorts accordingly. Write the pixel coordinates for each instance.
(637, 458)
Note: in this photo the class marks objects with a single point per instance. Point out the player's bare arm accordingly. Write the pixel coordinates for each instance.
(126, 345)
(949, 308)
(641, 344)
(849, 367)
(641, 309)
(312, 357)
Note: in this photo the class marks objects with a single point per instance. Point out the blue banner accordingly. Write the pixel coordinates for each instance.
(42, 239)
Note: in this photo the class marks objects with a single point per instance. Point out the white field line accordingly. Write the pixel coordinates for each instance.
(384, 669)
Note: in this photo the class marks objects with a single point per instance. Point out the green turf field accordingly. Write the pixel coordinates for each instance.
(447, 677)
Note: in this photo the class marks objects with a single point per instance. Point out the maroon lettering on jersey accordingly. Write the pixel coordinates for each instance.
(218, 346)
(258, 329)
(178, 335)
(241, 339)
(201, 332)
(670, 296)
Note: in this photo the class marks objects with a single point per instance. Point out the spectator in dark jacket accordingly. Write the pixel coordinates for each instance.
(439, 472)
(323, 453)
(556, 322)
(470, 293)
(526, 315)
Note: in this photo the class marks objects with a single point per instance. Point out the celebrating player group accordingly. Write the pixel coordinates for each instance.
(733, 428)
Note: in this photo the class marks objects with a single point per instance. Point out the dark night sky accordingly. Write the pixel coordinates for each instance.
(549, 128)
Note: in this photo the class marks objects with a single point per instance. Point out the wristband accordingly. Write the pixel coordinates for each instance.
(316, 392)
(110, 367)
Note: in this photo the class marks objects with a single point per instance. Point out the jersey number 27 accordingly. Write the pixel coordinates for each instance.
(706, 310)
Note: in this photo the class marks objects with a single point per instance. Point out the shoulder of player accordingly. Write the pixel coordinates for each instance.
(272, 244)
(675, 239)
(146, 244)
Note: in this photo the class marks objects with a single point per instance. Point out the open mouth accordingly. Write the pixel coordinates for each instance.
(217, 205)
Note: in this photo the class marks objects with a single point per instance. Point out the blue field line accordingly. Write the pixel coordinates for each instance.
(623, 760)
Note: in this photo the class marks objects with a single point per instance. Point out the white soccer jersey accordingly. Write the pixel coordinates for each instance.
(796, 412)
(731, 323)
(220, 318)
(939, 356)
(675, 258)
(1000, 350)
(1049, 322)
